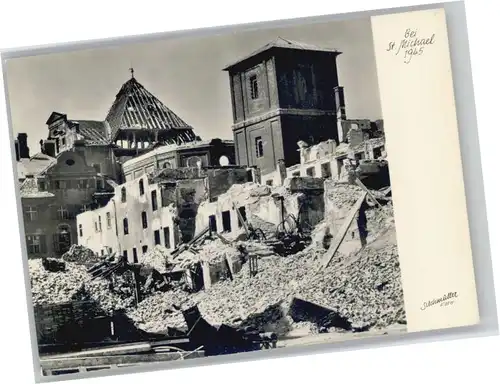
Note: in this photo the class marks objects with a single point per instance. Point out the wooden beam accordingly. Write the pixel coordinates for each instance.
(342, 232)
(363, 187)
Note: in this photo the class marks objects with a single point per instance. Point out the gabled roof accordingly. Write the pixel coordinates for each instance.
(34, 165)
(283, 44)
(135, 107)
(94, 132)
(55, 116)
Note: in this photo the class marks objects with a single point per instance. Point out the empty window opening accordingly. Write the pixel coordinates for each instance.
(326, 170)
(340, 166)
(141, 187)
(125, 226)
(311, 172)
(166, 235)
(212, 223)
(157, 237)
(226, 221)
(377, 153)
(125, 255)
(80, 230)
(359, 156)
(254, 87)
(154, 201)
(144, 249)
(249, 175)
(296, 174)
(243, 214)
(259, 147)
(108, 219)
(269, 182)
(144, 217)
(124, 195)
(134, 255)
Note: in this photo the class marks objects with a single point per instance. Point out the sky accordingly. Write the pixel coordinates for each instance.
(185, 73)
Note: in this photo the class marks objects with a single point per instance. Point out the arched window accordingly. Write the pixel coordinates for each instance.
(166, 164)
(141, 187)
(124, 195)
(125, 226)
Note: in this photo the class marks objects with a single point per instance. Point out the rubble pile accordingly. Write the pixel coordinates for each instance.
(161, 310)
(100, 291)
(157, 258)
(379, 219)
(75, 284)
(256, 248)
(81, 255)
(340, 196)
(55, 287)
(364, 287)
(228, 301)
(216, 251)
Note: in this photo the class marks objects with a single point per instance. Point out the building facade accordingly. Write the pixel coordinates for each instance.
(215, 152)
(159, 208)
(281, 94)
(53, 198)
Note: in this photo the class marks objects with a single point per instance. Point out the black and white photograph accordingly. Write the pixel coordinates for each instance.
(200, 196)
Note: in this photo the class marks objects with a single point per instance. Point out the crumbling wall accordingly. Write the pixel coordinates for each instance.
(190, 193)
(221, 179)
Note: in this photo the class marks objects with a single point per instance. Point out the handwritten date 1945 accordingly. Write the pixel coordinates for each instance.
(411, 45)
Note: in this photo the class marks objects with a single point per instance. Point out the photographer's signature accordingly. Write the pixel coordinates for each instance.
(443, 301)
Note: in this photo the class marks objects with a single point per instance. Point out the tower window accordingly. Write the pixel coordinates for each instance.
(254, 87)
(259, 147)
(125, 226)
(144, 217)
(124, 195)
(154, 201)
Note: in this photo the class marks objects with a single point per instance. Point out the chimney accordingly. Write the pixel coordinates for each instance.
(341, 114)
(24, 151)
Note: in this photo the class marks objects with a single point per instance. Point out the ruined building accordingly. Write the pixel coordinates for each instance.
(282, 93)
(81, 162)
(159, 208)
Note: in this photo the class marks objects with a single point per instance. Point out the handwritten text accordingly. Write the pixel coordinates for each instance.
(411, 45)
(443, 301)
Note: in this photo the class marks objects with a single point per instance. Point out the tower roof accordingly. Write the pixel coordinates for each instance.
(282, 43)
(135, 108)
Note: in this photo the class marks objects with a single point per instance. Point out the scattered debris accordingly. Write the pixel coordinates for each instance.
(81, 255)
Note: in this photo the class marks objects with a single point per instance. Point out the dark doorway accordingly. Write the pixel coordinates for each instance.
(226, 221)
(157, 237)
(212, 223)
(166, 235)
(243, 214)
